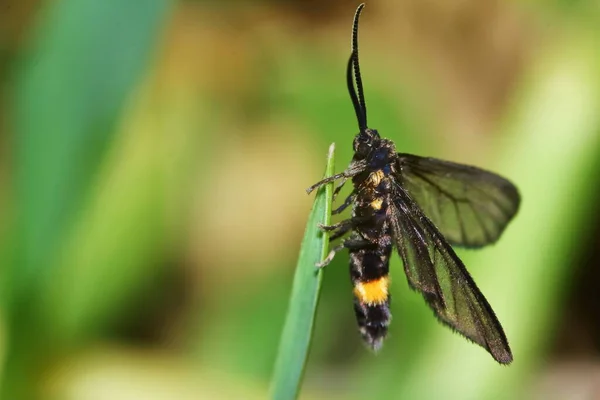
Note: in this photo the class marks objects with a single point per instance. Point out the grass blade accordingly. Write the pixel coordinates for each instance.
(82, 61)
(298, 327)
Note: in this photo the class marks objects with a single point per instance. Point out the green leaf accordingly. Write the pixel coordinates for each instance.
(85, 58)
(298, 327)
(82, 62)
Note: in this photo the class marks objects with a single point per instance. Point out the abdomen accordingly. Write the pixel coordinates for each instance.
(369, 271)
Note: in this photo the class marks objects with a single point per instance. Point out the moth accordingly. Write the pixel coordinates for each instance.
(421, 206)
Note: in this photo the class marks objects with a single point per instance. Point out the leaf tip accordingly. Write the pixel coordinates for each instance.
(331, 150)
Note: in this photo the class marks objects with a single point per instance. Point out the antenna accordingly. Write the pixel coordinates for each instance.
(355, 102)
(357, 95)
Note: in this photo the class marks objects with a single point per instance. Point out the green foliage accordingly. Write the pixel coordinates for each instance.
(297, 331)
(69, 88)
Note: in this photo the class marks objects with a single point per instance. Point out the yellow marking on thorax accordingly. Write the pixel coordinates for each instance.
(376, 204)
(376, 177)
(372, 292)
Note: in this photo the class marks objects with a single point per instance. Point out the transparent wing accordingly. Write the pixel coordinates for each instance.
(470, 206)
(434, 269)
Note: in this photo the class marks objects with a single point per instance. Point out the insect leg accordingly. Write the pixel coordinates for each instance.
(339, 187)
(353, 169)
(338, 234)
(340, 225)
(344, 225)
(326, 180)
(347, 202)
(354, 244)
(341, 228)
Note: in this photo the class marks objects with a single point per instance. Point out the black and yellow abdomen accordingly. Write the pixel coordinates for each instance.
(369, 271)
(369, 266)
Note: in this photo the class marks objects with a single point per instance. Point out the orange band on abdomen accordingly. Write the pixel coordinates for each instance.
(372, 292)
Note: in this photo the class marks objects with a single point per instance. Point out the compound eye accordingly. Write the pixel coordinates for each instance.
(361, 148)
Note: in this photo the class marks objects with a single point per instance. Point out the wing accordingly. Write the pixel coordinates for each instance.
(434, 269)
(470, 206)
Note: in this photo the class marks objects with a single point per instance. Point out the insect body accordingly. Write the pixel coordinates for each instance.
(421, 206)
(369, 259)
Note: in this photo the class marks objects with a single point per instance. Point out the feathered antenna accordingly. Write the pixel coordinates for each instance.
(357, 95)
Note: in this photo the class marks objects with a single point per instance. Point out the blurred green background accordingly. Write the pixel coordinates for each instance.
(153, 161)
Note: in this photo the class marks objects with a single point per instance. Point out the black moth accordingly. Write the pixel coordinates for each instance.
(421, 206)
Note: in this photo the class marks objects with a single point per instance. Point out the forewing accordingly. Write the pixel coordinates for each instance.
(434, 269)
(470, 206)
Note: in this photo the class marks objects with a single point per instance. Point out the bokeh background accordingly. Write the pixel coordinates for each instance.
(153, 161)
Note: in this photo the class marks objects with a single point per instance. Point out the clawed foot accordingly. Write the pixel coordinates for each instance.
(327, 228)
(327, 260)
